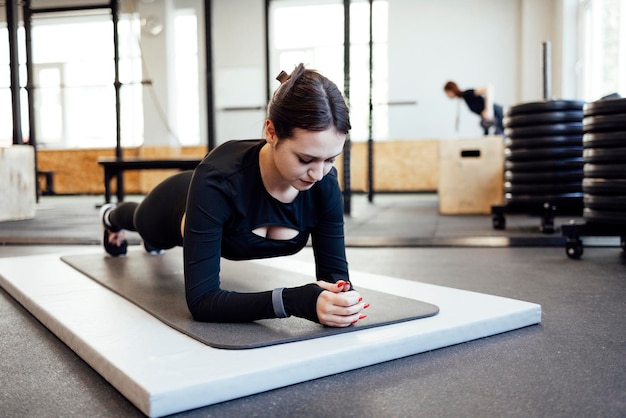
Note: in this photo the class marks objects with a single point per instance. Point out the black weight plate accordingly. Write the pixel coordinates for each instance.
(605, 202)
(545, 141)
(543, 177)
(546, 165)
(605, 139)
(605, 107)
(605, 216)
(605, 171)
(547, 198)
(572, 128)
(603, 123)
(542, 189)
(547, 106)
(543, 118)
(570, 203)
(604, 186)
(605, 155)
(534, 154)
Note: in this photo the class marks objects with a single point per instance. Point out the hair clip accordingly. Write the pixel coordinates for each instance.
(282, 77)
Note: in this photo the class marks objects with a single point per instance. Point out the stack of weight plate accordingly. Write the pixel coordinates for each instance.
(605, 161)
(544, 157)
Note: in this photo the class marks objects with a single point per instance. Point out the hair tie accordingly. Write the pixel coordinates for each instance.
(282, 77)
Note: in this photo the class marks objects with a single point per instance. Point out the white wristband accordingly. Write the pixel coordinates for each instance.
(277, 302)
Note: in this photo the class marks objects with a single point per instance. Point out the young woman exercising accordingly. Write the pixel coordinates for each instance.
(255, 199)
(479, 101)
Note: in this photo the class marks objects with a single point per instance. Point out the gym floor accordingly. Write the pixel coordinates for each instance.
(571, 365)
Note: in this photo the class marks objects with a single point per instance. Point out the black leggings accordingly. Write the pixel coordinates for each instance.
(157, 218)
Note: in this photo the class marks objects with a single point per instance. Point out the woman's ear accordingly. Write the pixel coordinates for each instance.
(270, 132)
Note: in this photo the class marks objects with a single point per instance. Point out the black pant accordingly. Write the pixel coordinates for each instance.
(157, 218)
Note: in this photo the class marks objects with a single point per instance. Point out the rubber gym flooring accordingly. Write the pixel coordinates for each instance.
(571, 365)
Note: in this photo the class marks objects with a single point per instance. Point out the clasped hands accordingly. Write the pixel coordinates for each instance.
(338, 306)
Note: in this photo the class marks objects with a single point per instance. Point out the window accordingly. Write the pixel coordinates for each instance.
(603, 47)
(82, 92)
(74, 93)
(312, 32)
(49, 102)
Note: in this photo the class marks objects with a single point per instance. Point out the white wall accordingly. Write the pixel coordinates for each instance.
(158, 53)
(537, 25)
(473, 43)
(238, 31)
(565, 55)
(239, 68)
(155, 49)
(431, 42)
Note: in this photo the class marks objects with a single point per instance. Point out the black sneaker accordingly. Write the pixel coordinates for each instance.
(111, 249)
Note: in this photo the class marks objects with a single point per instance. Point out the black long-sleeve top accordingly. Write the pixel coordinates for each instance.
(227, 201)
(475, 102)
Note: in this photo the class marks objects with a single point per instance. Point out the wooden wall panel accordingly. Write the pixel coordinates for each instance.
(77, 170)
(399, 166)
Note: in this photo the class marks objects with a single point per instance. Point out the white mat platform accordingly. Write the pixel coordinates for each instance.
(162, 371)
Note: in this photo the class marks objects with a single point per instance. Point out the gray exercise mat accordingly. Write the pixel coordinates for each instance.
(155, 284)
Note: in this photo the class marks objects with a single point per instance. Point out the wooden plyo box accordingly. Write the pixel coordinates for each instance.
(471, 177)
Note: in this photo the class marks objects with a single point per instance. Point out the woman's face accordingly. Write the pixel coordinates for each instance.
(450, 94)
(307, 156)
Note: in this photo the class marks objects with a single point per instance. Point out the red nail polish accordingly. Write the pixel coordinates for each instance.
(362, 317)
(341, 283)
(352, 323)
(360, 300)
(367, 305)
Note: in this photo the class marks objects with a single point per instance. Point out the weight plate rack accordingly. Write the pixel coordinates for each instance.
(543, 168)
(604, 176)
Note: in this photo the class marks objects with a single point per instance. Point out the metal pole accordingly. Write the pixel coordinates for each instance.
(268, 87)
(209, 75)
(547, 70)
(347, 187)
(370, 140)
(117, 85)
(11, 6)
(30, 74)
(30, 85)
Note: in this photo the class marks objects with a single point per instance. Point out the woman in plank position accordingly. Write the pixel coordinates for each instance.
(255, 199)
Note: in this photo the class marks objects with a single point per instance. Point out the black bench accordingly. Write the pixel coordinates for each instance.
(113, 168)
(48, 176)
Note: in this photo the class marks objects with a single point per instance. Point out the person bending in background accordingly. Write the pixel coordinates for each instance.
(479, 101)
(252, 199)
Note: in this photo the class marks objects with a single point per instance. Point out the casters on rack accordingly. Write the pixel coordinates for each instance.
(498, 221)
(547, 211)
(573, 231)
(574, 248)
(547, 219)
